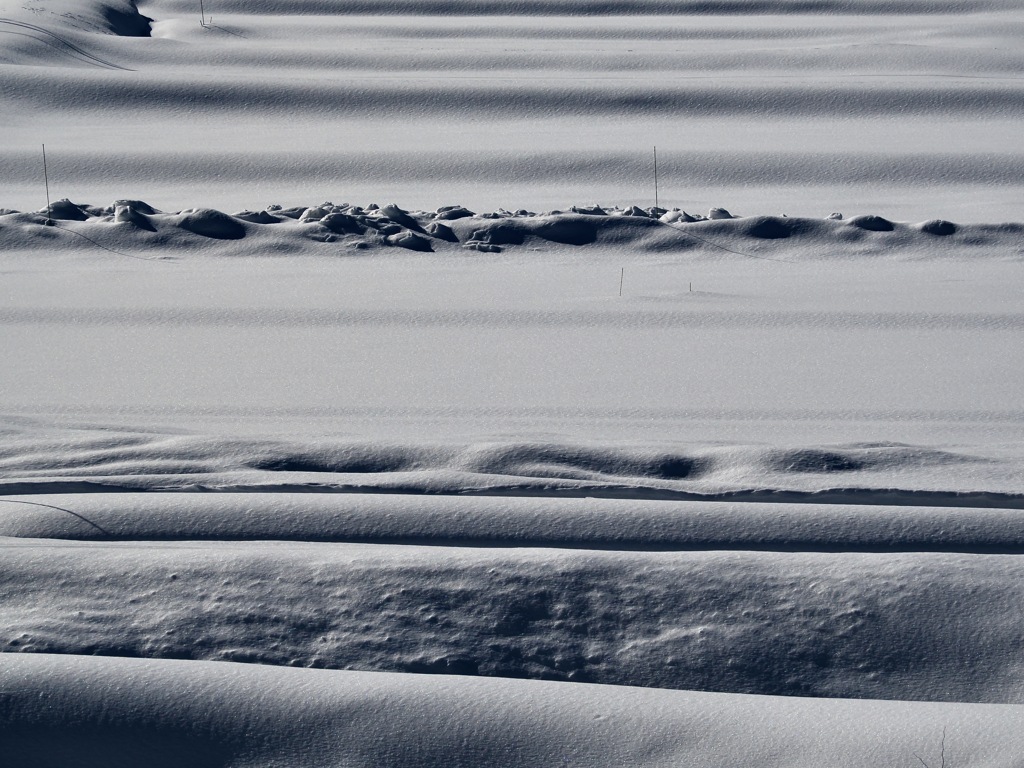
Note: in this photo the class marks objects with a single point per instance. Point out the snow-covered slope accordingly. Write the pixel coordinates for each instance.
(453, 372)
(724, 489)
(89, 712)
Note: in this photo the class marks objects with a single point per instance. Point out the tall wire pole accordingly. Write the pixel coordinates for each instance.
(656, 178)
(202, 14)
(46, 181)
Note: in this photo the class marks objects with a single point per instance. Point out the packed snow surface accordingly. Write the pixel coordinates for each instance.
(365, 403)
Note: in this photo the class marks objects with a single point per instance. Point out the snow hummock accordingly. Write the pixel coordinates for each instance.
(329, 229)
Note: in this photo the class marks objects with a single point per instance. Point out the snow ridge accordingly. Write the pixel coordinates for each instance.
(117, 712)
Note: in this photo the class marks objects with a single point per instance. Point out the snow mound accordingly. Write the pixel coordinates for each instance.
(344, 229)
(871, 223)
(939, 227)
(92, 712)
(213, 224)
(62, 32)
(123, 18)
(64, 210)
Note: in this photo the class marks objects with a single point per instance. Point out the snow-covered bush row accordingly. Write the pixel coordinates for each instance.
(136, 225)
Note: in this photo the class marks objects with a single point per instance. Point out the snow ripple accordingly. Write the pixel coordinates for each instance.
(880, 472)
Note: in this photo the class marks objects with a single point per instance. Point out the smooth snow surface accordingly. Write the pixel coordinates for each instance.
(67, 710)
(349, 340)
(908, 109)
(520, 369)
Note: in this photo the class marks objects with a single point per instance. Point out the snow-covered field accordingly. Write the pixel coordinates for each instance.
(557, 478)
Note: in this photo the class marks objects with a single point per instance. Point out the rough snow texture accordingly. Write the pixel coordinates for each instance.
(134, 228)
(808, 600)
(868, 472)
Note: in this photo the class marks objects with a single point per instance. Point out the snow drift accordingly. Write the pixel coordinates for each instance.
(104, 712)
(817, 600)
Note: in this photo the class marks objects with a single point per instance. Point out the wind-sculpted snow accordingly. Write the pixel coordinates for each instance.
(877, 473)
(379, 100)
(36, 21)
(346, 229)
(96, 712)
(716, 616)
(513, 521)
(740, 414)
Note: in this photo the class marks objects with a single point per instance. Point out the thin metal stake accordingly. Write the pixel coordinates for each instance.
(46, 180)
(656, 178)
(622, 276)
(202, 14)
